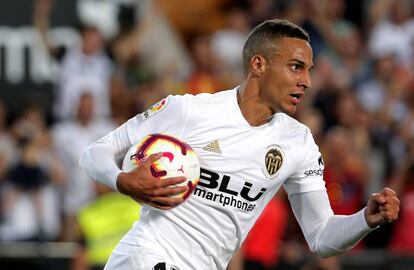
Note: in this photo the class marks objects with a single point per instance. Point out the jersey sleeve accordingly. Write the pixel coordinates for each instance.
(102, 159)
(327, 234)
(309, 173)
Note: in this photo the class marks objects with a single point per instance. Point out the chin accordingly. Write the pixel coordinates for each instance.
(290, 111)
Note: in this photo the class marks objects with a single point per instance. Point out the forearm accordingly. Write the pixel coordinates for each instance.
(100, 160)
(106, 170)
(340, 234)
(327, 234)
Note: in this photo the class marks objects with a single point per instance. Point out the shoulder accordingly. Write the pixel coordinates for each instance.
(292, 125)
(221, 97)
(295, 132)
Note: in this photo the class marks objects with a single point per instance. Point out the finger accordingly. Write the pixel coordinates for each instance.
(150, 185)
(378, 198)
(170, 181)
(389, 216)
(394, 201)
(151, 159)
(159, 206)
(389, 208)
(388, 192)
(170, 191)
(157, 202)
(137, 199)
(162, 207)
(166, 201)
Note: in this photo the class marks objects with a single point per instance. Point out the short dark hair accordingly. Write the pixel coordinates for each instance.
(261, 38)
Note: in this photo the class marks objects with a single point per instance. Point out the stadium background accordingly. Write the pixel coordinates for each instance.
(360, 110)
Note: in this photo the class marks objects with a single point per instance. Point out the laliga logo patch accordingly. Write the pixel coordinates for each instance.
(157, 107)
(273, 161)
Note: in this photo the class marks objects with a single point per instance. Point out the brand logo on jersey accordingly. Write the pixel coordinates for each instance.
(157, 107)
(273, 161)
(309, 173)
(164, 266)
(242, 198)
(316, 172)
(320, 161)
(213, 147)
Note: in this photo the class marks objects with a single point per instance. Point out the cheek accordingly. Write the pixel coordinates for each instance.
(282, 86)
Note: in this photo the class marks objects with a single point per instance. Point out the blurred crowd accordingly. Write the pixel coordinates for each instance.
(360, 110)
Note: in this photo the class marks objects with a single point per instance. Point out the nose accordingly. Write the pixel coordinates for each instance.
(305, 80)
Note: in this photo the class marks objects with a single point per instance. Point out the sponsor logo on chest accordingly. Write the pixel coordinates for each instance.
(216, 187)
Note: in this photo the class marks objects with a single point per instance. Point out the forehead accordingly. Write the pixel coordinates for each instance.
(294, 49)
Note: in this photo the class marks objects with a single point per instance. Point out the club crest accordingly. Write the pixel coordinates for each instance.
(273, 161)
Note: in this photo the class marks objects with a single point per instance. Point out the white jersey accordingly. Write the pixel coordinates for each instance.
(242, 167)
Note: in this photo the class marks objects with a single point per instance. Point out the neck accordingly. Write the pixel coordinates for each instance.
(253, 108)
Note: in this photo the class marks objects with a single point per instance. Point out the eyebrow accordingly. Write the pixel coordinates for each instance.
(302, 63)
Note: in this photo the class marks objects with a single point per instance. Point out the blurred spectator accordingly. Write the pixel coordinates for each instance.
(126, 50)
(161, 47)
(381, 94)
(102, 223)
(323, 20)
(205, 77)
(348, 57)
(383, 97)
(194, 17)
(7, 144)
(313, 119)
(359, 123)
(392, 30)
(345, 172)
(71, 137)
(261, 10)
(227, 43)
(149, 93)
(31, 180)
(148, 54)
(326, 92)
(86, 66)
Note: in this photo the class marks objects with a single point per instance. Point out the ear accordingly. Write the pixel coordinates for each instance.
(257, 65)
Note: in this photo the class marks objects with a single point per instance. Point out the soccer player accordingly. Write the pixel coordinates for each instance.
(248, 147)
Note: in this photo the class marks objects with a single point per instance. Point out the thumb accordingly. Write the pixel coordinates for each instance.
(374, 201)
(371, 212)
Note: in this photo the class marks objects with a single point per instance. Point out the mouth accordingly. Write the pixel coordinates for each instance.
(296, 97)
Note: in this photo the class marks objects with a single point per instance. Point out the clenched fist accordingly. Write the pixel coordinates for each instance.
(382, 207)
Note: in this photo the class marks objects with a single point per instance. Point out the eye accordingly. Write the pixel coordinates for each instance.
(295, 67)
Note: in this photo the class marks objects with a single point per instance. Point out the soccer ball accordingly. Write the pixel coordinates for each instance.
(178, 159)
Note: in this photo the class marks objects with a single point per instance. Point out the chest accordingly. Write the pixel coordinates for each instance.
(238, 158)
